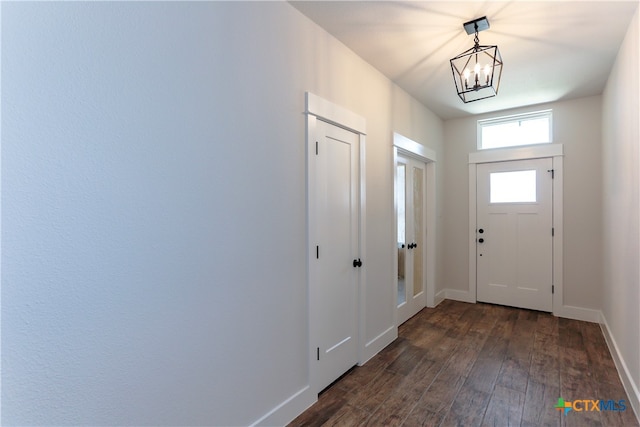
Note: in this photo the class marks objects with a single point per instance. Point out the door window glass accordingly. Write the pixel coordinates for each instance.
(418, 215)
(401, 232)
(512, 187)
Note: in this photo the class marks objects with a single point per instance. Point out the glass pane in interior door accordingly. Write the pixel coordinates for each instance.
(418, 229)
(401, 232)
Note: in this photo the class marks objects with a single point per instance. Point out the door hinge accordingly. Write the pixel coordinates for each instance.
(553, 231)
(316, 148)
(553, 173)
(553, 289)
(318, 353)
(317, 252)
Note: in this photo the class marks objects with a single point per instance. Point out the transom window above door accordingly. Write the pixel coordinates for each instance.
(517, 130)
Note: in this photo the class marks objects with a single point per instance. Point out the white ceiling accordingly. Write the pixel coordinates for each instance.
(552, 50)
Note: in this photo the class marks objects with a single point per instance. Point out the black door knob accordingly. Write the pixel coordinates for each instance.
(481, 240)
(481, 231)
(357, 263)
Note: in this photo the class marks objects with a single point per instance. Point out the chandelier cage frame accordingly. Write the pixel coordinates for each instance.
(467, 67)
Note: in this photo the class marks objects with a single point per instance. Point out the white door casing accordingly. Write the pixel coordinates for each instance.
(556, 153)
(514, 254)
(404, 147)
(326, 119)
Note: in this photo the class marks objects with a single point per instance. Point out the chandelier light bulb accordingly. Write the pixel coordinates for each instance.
(476, 73)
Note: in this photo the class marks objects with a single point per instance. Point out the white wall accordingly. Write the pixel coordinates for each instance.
(621, 186)
(576, 125)
(153, 206)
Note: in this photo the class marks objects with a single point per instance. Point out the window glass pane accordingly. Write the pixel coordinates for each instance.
(400, 192)
(512, 187)
(401, 232)
(418, 214)
(520, 130)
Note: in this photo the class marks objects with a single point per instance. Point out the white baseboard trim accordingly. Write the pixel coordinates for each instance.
(625, 376)
(458, 295)
(374, 346)
(288, 410)
(579, 313)
(440, 296)
(567, 311)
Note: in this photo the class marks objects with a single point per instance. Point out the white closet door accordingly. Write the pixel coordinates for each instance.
(335, 246)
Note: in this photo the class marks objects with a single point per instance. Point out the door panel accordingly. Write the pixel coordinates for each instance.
(514, 236)
(334, 290)
(401, 215)
(418, 228)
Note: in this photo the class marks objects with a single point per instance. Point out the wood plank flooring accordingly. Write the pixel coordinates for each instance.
(465, 364)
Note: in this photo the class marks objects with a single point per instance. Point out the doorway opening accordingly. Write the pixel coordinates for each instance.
(335, 211)
(517, 257)
(414, 227)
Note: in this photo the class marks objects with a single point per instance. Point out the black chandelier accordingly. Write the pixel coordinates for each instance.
(477, 71)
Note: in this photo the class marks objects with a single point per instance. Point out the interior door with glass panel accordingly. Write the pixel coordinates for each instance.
(411, 236)
(514, 240)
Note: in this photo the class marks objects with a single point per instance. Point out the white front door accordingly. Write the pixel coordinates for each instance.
(334, 262)
(514, 239)
(411, 236)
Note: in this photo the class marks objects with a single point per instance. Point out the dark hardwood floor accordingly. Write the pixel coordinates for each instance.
(478, 365)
